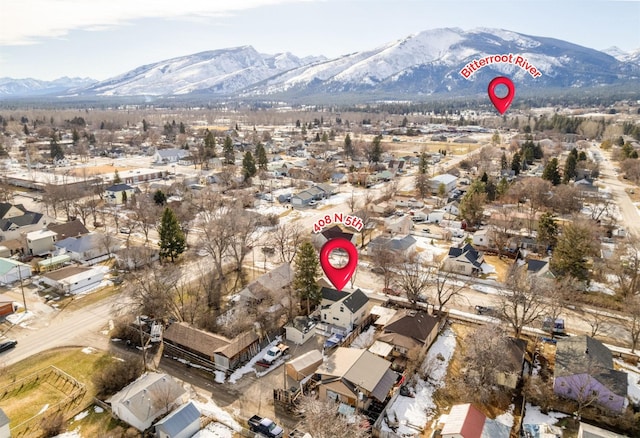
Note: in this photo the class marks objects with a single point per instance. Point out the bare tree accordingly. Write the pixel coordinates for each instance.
(215, 238)
(632, 322)
(385, 261)
(146, 214)
(625, 266)
(285, 238)
(597, 321)
(413, 278)
(484, 359)
(243, 235)
(522, 303)
(315, 413)
(152, 291)
(447, 286)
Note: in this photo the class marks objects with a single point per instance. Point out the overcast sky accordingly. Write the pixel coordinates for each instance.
(47, 39)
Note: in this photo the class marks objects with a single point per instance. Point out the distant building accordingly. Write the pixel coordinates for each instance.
(449, 182)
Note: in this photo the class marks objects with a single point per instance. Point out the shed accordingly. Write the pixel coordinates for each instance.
(305, 365)
(53, 262)
(12, 271)
(184, 422)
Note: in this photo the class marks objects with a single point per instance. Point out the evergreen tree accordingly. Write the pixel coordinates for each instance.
(261, 156)
(515, 163)
(375, 154)
(348, 146)
(307, 271)
(569, 168)
(325, 137)
(182, 128)
(229, 151)
(124, 197)
(504, 165)
(159, 197)
(551, 172)
(248, 166)
(145, 125)
(116, 178)
(75, 136)
(503, 186)
(317, 139)
(56, 151)
(547, 229)
(423, 163)
(582, 156)
(172, 240)
(25, 129)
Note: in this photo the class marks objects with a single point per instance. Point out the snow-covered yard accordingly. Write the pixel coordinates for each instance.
(413, 413)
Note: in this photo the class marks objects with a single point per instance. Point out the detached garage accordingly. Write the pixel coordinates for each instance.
(12, 271)
(304, 366)
(74, 279)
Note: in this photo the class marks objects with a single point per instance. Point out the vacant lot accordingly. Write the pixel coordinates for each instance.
(39, 395)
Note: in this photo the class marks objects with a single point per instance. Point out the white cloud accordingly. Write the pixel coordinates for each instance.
(28, 21)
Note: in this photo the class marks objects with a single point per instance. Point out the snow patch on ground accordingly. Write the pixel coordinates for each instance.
(81, 415)
(88, 350)
(633, 379)
(413, 413)
(19, 318)
(73, 434)
(594, 286)
(212, 410)
(364, 339)
(533, 415)
(44, 409)
(249, 367)
(97, 409)
(215, 430)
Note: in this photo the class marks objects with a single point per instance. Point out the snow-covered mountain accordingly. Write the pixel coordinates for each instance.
(427, 63)
(224, 71)
(33, 87)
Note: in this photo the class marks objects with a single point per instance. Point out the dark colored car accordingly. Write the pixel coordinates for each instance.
(7, 345)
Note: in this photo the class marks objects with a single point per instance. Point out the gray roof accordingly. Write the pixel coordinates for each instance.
(179, 419)
(166, 153)
(84, 243)
(414, 324)
(468, 252)
(334, 295)
(68, 229)
(119, 188)
(355, 301)
(584, 354)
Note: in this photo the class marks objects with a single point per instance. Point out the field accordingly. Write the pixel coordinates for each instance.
(105, 169)
(35, 387)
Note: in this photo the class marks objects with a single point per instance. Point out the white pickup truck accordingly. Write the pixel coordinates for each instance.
(275, 352)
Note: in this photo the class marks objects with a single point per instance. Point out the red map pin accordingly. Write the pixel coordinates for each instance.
(501, 103)
(339, 277)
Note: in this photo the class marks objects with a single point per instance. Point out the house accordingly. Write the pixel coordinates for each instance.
(410, 330)
(147, 398)
(513, 359)
(339, 178)
(13, 270)
(343, 309)
(466, 421)
(402, 246)
(16, 220)
(184, 422)
(74, 279)
(319, 239)
(452, 208)
(187, 160)
(40, 242)
(465, 260)
(398, 225)
(73, 228)
(448, 181)
(90, 248)
(588, 431)
(5, 432)
(484, 238)
(168, 156)
(300, 330)
(539, 268)
(223, 353)
(355, 377)
(302, 198)
(270, 286)
(584, 372)
(118, 194)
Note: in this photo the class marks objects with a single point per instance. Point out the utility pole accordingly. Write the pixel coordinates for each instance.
(24, 300)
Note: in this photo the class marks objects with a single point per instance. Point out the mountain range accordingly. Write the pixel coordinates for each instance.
(423, 64)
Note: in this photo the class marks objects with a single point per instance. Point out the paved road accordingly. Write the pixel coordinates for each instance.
(81, 327)
(630, 219)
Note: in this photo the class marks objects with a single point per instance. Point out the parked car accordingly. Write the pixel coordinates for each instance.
(265, 427)
(8, 345)
(312, 203)
(125, 230)
(484, 310)
(275, 352)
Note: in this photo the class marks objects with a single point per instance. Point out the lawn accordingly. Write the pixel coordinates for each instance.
(81, 364)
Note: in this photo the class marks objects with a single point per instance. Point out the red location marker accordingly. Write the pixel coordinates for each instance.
(339, 277)
(501, 103)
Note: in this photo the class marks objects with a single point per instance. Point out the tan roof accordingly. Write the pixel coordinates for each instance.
(237, 344)
(195, 339)
(339, 363)
(63, 273)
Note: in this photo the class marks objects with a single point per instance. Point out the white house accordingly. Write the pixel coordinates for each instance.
(91, 248)
(165, 156)
(16, 220)
(74, 279)
(449, 182)
(12, 271)
(343, 309)
(184, 422)
(483, 237)
(118, 193)
(147, 398)
(41, 241)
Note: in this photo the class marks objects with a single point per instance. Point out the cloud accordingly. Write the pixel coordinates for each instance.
(31, 21)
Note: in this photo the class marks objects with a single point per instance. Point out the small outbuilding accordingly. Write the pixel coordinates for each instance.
(304, 366)
(13, 270)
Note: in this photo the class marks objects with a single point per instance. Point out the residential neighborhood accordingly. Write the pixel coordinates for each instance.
(172, 251)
